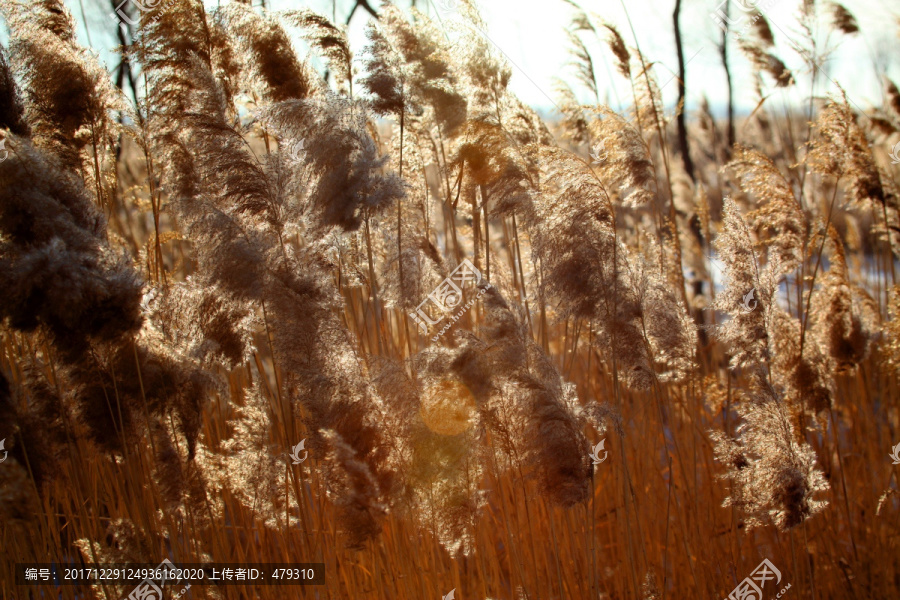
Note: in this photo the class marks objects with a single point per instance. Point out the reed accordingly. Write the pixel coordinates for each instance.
(192, 286)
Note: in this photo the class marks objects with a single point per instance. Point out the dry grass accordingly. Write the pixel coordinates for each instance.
(189, 294)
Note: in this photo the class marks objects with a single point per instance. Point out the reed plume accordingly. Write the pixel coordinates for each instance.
(246, 464)
(34, 421)
(845, 318)
(574, 120)
(342, 178)
(780, 224)
(840, 150)
(588, 277)
(843, 20)
(12, 110)
(771, 466)
(241, 213)
(624, 163)
(775, 478)
(426, 60)
(61, 276)
(329, 40)
(893, 97)
(271, 67)
(239, 275)
(619, 50)
(746, 333)
(768, 62)
(802, 374)
(69, 97)
(531, 401)
(583, 63)
(485, 73)
(57, 269)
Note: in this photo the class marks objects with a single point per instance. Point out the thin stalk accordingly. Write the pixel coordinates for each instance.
(812, 284)
(837, 448)
(400, 206)
(663, 145)
(487, 235)
(666, 539)
(522, 274)
(373, 287)
(562, 591)
(593, 540)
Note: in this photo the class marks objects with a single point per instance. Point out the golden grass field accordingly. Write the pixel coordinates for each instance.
(197, 276)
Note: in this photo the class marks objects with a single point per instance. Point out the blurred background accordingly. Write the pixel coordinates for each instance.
(515, 25)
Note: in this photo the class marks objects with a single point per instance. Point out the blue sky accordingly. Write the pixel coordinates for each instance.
(531, 34)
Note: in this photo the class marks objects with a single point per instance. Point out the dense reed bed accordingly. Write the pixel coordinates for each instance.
(451, 301)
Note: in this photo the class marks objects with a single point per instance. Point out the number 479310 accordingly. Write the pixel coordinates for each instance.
(299, 574)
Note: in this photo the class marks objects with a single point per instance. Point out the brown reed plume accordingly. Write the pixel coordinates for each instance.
(330, 41)
(775, 478)
(69, 97)
(63, 277)
(222, 188)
